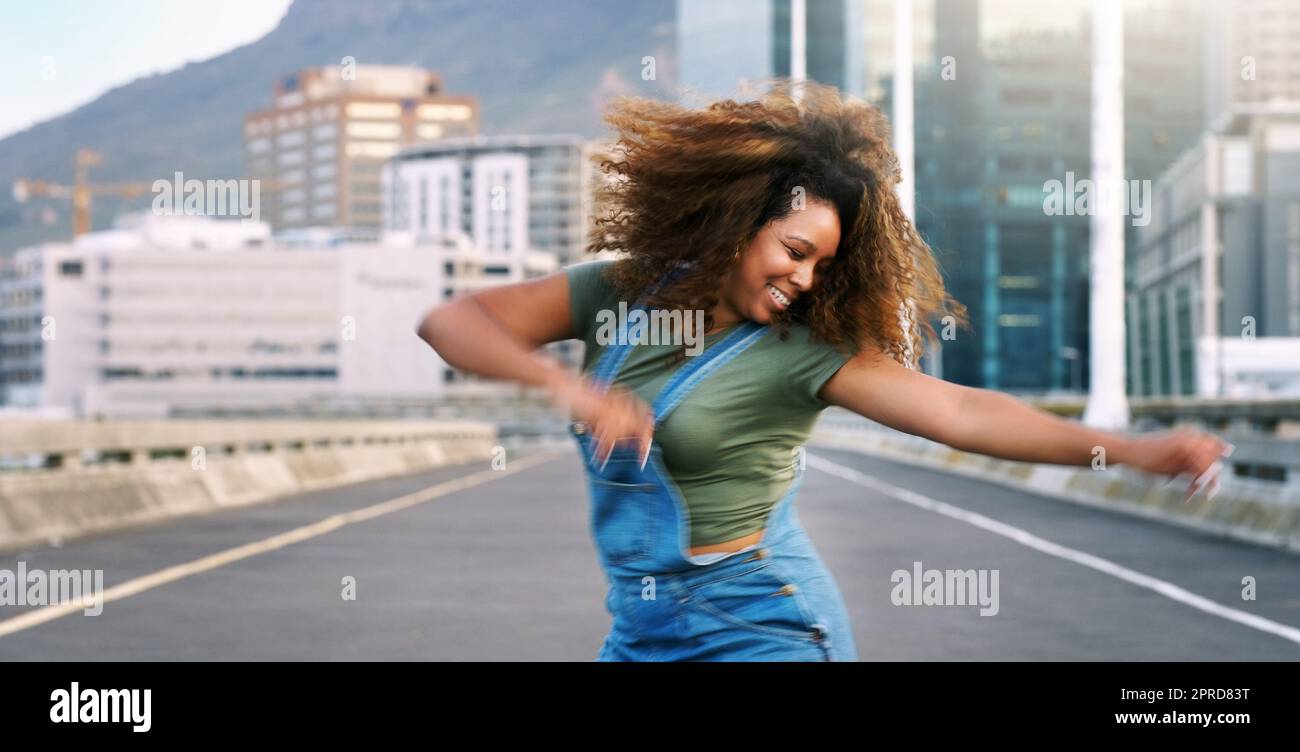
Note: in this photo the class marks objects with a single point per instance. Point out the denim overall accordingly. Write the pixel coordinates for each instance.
(774, 601)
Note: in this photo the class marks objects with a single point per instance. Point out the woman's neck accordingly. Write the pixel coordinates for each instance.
(720, 326)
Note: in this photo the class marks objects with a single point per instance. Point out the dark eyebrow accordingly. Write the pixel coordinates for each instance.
(807, 244)
(810, 247)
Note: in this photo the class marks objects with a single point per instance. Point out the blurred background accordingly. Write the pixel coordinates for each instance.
(220, 224)
(456, 135)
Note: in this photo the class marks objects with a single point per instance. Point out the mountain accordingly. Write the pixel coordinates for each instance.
(536, 67)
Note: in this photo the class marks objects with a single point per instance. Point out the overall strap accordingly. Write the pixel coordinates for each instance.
(686, 378)
(689, 376)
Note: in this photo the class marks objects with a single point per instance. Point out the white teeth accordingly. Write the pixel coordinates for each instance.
(781, 298)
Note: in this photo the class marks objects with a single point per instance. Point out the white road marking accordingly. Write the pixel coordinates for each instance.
(1024, 537)
(38, 616)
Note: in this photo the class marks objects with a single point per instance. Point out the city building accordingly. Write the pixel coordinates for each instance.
(1002, 108)
(992, 139)
(320, 146)
(24, 278)
(508, 194)
(169, 315)
(1226, 219)
(721, 44)
(1251, 54)
(878, 36)
(509, 198)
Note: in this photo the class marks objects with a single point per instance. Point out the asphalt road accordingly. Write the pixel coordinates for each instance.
(503, 570)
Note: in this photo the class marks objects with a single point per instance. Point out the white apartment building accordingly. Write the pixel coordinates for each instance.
(508, 194)
(168, 314)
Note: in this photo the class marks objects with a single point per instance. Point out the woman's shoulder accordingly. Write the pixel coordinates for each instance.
(592, 277)
(590, 266)
(806, 363)
(590, 291)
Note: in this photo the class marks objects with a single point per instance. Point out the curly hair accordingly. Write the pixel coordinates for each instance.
(697, 185)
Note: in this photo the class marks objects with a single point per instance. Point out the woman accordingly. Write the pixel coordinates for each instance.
(775, 222)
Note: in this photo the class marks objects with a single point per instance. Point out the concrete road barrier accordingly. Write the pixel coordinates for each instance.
(100, 477)
(1245, 509)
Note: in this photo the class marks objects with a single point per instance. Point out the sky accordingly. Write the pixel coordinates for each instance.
(57, 55)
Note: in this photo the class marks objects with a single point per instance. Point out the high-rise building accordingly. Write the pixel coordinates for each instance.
(1215, 305)
(1252, 54)
(991, 139)
(1002, 109)
(879, 37)
(723, 43)
(329, 131)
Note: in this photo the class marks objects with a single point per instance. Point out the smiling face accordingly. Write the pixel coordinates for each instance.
(790, 254)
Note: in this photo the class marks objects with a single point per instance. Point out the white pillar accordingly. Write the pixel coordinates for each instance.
(903, 137)
(903, 96)
(1211, 285)
(1107, 403)
(798, 42)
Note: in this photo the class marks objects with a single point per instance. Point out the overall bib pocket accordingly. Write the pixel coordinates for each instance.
(623, 518)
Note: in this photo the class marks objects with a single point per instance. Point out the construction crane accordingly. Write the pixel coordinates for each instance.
(81, 191)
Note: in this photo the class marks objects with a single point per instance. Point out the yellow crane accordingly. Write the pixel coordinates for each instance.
(80, 191)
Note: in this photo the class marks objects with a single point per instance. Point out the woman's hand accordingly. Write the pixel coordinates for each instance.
(611, 416)
(1182, 451)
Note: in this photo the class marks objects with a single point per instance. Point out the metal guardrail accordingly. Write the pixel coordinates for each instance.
(1273, 417)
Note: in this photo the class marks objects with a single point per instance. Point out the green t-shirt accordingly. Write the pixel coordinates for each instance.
(730, 445)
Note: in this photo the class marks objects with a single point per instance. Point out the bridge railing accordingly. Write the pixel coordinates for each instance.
(68, 478)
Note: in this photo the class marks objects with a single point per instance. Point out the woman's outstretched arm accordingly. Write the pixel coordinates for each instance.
(999, 425)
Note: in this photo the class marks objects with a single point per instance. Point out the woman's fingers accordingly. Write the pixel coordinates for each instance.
(598, 450)
(1213, 451)
(1214, 488)
(1209, 478)
(622, 417)
(1207, 465)
(647, 436)
(1198, 454)
(1204, 453)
